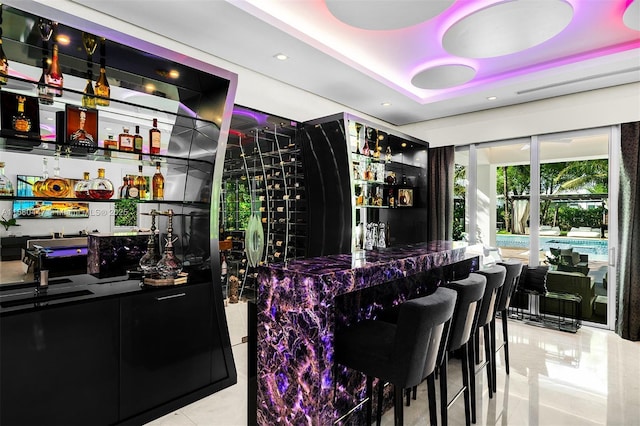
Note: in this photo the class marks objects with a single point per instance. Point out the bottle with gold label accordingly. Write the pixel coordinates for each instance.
(56, 186)
(88, 97)
(102, 88)
(158, 184)
(154, 138)
(137, 141)
(21, 123)
(141, 183)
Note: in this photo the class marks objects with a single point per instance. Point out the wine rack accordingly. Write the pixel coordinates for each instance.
(263, 176)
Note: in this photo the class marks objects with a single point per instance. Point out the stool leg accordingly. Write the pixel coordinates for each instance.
(407, 393)
(465, 385)
(444, 397)
(380, 397)
(369, 398)
(505, 336)
(415, 393)
(472, 376)
(431, 390)
(487, 354)
(476, 345)
(398, 406)
(492, 326)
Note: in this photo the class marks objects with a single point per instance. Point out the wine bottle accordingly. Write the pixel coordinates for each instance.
(54, 78)
(158, 184)
(21, 123)
(154, 138)
(125, 140)
(4, 66)
(88, 96)
(137, 141)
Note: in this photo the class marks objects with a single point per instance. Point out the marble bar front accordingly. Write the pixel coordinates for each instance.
(300, 304)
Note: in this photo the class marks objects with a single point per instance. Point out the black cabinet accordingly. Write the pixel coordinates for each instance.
(11, 247)
(59, 365)
(166, 346)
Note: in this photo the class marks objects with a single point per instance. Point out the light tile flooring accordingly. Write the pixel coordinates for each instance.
(556, 378)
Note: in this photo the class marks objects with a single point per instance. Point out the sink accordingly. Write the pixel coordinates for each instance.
(44, 297)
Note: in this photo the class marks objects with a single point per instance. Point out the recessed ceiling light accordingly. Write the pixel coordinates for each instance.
(403, 144)
(281, 57)
(492, 98)
(149, 88)
(386, 104)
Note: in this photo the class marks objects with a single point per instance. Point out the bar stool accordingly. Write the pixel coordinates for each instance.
(470, 291)
(403, 353)
(487, 321)
(512, 277)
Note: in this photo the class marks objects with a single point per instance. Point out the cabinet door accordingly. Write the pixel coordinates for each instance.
(166, 346)
(60, 365)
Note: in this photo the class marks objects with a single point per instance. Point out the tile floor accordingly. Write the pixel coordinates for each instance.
(556, 378)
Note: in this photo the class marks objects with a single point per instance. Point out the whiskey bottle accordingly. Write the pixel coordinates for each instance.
(158, 184)
(154, 138)
(6, 187)
(137, 141)
(53, 77)
(125, 140)
(141, 183)
(81, 188)
(132, 190)
(109, 144)
(123, 190)
(101, 188)
(21, 123)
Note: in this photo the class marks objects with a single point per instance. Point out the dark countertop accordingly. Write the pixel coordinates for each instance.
(20, 297)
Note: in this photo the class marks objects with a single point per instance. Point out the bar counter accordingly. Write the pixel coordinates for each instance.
(302, 303)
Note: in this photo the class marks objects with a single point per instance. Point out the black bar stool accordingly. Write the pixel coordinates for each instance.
(470, 291)
(514, 270)
(403, 353)
(487, 321)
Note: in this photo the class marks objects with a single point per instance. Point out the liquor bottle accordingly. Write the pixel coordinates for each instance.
(123, 190)
(101, 188)
(132, 190)
(158, 184)
(141, 183)
(21, 123)
(81, 189)
(44, 95)
(6, 187)
(137, 141)
(154, 138)
(88, 97)
(110, 143)
(102, 88)
(56, 186)
(54, 77)
(125, 140)
(38, 187)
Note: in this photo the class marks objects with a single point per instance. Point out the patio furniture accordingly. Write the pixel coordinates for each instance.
(570, 283)
(584, 232)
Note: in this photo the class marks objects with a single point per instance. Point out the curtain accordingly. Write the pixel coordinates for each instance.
(628, 275)
(441, 171)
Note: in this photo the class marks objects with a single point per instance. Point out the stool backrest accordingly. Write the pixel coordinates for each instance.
(514, 269)
(470, 291)
(495, 280)
(419, 331)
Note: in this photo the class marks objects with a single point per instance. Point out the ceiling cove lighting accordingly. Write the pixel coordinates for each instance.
(383, 15)
(507, 27)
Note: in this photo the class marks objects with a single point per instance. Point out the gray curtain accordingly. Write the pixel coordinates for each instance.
(441, 168)
(628, 276)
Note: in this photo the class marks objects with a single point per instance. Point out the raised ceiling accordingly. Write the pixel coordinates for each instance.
(405, 61)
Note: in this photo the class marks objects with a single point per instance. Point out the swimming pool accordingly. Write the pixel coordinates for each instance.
(596, 248)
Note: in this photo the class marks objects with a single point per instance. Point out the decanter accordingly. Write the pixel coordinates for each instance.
(56, 186)
(81, 188)
(6, 187)
(101, 188)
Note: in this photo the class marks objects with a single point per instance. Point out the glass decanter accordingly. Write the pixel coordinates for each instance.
(38, 186)
(56, 186)
(6, 187)
(101, 188)
(81, 188)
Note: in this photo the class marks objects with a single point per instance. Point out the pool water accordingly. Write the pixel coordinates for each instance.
(597, 249)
